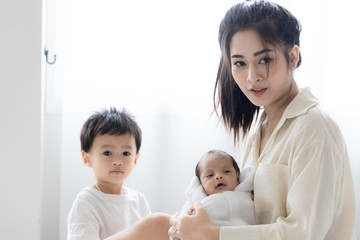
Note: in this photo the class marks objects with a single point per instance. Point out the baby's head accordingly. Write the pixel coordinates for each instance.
(217, 172)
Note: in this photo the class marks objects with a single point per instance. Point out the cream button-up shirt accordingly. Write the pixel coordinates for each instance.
(303, 187)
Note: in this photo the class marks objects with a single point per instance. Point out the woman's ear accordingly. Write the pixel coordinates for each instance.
(86, 158)
(294, 56)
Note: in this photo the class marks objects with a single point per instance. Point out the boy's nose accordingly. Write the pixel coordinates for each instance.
(117, 163)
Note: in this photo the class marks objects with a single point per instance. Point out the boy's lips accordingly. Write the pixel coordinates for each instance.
(117, 171)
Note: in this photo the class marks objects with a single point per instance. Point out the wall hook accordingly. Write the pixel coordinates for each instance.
(47, 59)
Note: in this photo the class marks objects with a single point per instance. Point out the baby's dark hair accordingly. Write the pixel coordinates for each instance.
(112, 122)
(234, 163)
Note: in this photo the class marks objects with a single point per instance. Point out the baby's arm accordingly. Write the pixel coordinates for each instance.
(153, 227)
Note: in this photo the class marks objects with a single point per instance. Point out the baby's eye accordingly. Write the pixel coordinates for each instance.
(126, 154)
(265, 60)
(210, 175)
(107, 153)
(239, 64)
(227, 171)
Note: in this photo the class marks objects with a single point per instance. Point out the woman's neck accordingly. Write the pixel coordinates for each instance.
(274, 114)
(275, 111)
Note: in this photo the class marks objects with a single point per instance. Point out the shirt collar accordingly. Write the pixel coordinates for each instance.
(300, 104)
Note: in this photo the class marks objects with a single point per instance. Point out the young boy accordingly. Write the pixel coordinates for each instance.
(225, 193)
(110, 144)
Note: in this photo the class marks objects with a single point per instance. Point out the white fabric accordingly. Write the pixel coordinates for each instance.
(95, 215)
(228, 208)
(303, 187)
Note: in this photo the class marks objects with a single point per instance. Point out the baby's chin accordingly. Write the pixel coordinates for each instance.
(221, 190)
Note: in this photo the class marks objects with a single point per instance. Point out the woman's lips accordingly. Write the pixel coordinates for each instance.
(258, 91)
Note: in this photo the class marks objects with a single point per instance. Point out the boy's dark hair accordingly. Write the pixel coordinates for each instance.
(276, 26)
(234, 163)
(112, 122)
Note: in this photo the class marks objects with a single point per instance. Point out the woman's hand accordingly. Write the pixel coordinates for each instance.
(193, 227)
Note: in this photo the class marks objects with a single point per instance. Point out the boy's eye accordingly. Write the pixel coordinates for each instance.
(126, 153)
(107, 153)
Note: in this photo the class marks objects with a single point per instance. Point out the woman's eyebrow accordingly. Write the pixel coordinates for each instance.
(255, 54)
(262, 51)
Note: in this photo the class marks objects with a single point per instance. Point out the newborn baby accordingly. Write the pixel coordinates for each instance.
(224, 191)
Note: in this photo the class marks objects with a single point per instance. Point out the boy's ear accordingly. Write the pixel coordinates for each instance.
(86, 158)
(136, 158)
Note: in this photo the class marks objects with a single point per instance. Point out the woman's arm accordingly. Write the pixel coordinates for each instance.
(194, 227)
(318, 195)
(318, 199)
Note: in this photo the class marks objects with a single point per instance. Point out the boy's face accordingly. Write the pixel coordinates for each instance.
(112, 157)
(217, 173)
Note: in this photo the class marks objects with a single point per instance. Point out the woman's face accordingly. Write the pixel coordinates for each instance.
(262, 73)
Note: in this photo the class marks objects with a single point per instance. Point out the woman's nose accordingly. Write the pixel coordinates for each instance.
(254, 74)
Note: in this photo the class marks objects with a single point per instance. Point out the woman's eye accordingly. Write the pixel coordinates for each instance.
(239, 64)
(126, 154)
(107, 153)
(265, 60)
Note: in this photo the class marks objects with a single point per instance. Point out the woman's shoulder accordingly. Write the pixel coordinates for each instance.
(318, 125)
(317, 119)
(306, 110)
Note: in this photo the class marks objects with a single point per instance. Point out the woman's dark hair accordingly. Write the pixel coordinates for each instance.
(275, 26)
(112, 122)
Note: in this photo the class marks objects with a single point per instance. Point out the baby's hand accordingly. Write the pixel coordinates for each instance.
(191, 210)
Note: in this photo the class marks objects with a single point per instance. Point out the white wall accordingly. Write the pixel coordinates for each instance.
(20, 128)
(52, 34)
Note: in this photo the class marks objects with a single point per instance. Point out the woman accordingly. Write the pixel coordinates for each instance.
(303, 185)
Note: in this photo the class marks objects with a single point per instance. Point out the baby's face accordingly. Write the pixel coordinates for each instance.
(217, 173)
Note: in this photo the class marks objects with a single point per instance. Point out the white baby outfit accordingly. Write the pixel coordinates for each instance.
(230, 208)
